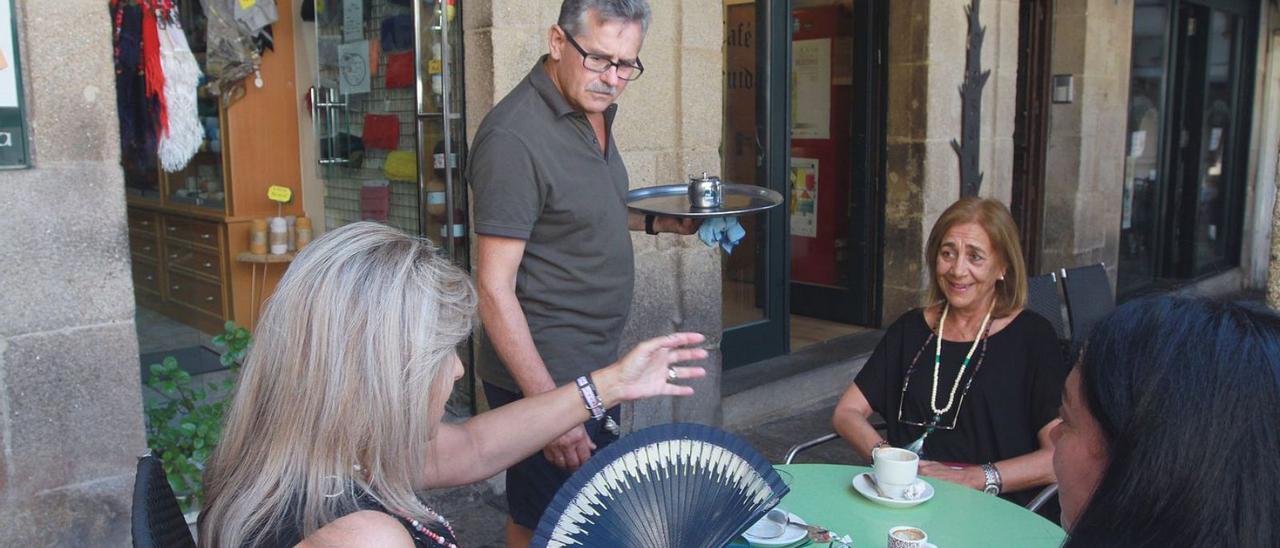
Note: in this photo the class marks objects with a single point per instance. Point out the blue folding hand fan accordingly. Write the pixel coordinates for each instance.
(672, 485)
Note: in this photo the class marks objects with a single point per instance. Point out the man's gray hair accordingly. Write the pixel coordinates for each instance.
(573, 13)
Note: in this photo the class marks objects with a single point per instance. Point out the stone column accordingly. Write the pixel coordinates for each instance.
(70, 400)
(1085, 159)
(668, 127)
(927, 44)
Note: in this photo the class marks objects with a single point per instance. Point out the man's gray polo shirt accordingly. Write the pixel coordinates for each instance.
(537, 174)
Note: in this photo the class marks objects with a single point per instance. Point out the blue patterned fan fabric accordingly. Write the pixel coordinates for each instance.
(672, 485)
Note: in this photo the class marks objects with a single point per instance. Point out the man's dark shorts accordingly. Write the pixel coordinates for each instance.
(533, 482)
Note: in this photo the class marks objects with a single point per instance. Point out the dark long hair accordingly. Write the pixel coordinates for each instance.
(1187, 394)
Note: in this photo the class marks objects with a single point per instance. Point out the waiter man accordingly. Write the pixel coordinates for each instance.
(555, 267)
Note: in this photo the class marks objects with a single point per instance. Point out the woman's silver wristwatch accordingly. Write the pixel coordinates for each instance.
(992, 475)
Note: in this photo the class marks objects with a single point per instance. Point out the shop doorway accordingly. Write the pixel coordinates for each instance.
(1188, 139)
(1031, 125)
(387, 110)
(804, 103)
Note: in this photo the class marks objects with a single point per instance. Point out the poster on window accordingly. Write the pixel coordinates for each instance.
(804, 197)
(811, 89)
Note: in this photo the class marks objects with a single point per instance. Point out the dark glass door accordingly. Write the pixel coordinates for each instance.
(754, 152)
(1185, 163)
(1143, 171)
(1205, 164)
(835, 184)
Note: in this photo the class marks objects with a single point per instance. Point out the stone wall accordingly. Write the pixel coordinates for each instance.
(668, 126)
(70, 401)
(927, 45)
(1085, 158)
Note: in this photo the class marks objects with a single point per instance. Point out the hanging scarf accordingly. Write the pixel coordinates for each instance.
(182, 80)
(151, 65)
(133, 108)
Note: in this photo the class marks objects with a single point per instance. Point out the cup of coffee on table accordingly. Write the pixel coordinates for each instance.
(906, 536)
(894, 470)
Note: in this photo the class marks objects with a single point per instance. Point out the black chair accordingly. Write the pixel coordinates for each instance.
(1089, 298)
(157, 519)
(1043, 299)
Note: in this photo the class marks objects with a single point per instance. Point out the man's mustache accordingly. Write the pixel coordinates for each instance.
(598, 87)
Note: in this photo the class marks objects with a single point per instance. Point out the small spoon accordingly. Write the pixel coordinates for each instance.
(871, 478)
(778, 516)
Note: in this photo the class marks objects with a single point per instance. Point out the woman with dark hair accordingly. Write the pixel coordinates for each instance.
(971, 381)
(1171, 429)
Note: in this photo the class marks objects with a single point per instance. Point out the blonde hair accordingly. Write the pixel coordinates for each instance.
(997, 222)
(335, 394)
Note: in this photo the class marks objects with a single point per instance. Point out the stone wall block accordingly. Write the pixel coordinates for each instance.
(641, 167)
(1065, 120)
(701, 109)
(908, 92)
(696, 30)
(71, 111)
(480, 75)
(1069, 41)
(908, 31)
(89, 514)
(515, 50)
(942, 177)
(697, 159)
(67, 270)
(648, 111)
(667, 26)
(69, 397)
(944, 103)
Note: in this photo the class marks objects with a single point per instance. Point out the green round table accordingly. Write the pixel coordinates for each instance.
(956, 517)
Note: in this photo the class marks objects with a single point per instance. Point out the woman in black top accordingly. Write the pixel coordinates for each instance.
(337, 421)
(979, 405)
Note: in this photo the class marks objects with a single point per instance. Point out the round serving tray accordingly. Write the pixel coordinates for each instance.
(673, 201)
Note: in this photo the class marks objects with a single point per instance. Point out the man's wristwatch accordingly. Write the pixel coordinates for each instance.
(992, 475)
(648, 225)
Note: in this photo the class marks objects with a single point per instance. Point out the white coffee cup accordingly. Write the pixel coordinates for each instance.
(895, 470)
(906, 536)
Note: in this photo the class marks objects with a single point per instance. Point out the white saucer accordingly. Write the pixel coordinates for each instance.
(790, 536)
(861, 485)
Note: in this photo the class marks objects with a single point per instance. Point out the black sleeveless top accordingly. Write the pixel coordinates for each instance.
(440, 535)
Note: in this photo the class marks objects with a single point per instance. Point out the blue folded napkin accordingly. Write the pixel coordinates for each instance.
(725, 231)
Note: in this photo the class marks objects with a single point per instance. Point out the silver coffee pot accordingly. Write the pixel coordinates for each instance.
(705, 192)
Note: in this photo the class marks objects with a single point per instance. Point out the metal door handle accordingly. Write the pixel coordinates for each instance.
(208, 299)
(208, 265)
(205, 236)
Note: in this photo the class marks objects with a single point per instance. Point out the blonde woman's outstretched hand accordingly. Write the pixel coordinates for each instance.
(646, 370)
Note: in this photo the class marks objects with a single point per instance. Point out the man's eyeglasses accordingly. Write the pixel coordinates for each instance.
(596, 63)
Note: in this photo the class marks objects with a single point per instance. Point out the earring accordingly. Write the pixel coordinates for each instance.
(336, 483)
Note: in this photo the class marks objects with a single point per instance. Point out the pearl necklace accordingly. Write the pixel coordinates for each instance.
(937, 361)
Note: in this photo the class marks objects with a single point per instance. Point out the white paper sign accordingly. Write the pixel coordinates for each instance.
(811, 89)
(352, 20)
(353, 68)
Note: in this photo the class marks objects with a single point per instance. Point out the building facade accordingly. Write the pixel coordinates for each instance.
(1142, 134)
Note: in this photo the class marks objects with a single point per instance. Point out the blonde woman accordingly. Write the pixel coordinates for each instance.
(337, 420)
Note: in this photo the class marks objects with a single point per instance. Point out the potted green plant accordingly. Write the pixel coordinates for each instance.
(184, 424)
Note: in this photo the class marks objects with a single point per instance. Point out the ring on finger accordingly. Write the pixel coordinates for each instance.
(672, 375)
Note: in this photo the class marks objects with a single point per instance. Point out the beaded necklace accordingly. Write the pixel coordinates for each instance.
(984, 332)
(937, 361)
(434, 536)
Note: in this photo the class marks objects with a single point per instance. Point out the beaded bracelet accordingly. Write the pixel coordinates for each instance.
(590, 397)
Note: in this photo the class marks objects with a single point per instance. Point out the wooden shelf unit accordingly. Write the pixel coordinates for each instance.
(184, 255)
